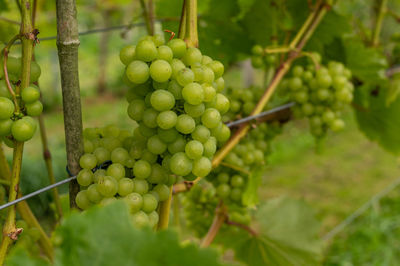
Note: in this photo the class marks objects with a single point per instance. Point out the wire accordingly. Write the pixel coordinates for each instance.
(107, 163)
(360, 210)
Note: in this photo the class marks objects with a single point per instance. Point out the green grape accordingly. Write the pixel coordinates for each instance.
(142, 169)
(162, 100)
(23, 129)
(185, 76)
(163, 191)
(223, 177)
(127, 54)
(257, 50)
(177, 146)
(167, 135)
(30, 94)
(194, 149)
(156, 145)
(88, 161)
(134, 201)
(167, 119)
(140, 186)
(223, 191)
(295, 83)
(116, 170)
(175, 89)
(210, 147)
(102, 154)
(180, 164)
(99, 173)
(165, 53)
(107, 186)
(150, 203)
(222, 103)
(138, 72)
(119, 155)
(236, 194)
(85, 177)
(160, 70)
(140, 219)
(337, 125)
(222, 133)
(178, 47)
(201, 167)
(185, 124)
(176, 65)
(257, 61)
(194, 110)
(158, 174)
(93, 194)
(209, 92)
(150, 118)
(5, 127)
(208, 75)
(201, 133)
(217, 67)
(211, 118)
(146, 50)
(220, 84)
(198, 73)
(82, 200)
(237, 181)
(153, 218)
(125, 186)
(6, 108)
(192, 56)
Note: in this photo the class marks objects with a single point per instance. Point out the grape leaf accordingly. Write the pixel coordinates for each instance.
(377, 120)
(393, 89)
(250, 195)
(287, 235)
(19, 256)
(367, 64)
(105, 236)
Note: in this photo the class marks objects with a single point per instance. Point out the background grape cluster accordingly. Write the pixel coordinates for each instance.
(14, 124)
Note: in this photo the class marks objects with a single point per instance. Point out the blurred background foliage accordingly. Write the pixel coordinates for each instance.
(336, 182)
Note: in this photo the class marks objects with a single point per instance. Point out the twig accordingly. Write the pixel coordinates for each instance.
(149, 26)
(242, 226)
(6, 50)
(219, 219)
(378, 24)
(164, 212)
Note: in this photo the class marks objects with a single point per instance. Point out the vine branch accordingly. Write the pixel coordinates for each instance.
(379, 21)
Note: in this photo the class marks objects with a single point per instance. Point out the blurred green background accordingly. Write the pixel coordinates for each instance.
(335, 182)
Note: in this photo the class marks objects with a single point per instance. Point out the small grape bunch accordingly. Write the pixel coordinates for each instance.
(175, 96)
(261, 59)
(320, 94)
(112, 169)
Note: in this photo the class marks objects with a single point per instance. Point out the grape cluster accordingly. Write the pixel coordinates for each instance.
(243, 101)
(260, 59)
(175, 97)
(112, 170)
(19, 125)
(320, 94)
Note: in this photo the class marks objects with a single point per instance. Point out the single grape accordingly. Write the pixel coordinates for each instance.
(119, 155)
(192, 56)
(134, 201)
(107, 186)
(180, 164)
(116, 170)
(194, 149)
(125, 186)
(162, 100)
(150, 203)
(217, 67)
(82, 200)
(185, 76)
(201, 167)
(146, 50)
(127, 54)
(167, 119)
(211, 118)
(140, 219)
(156, 145)
(88, 161)
(160, 70)
(142, 169)
(165, 53)
(158, 174)
(6, 108)
(150, 117)
(138, 72)
(93, 194)
(85, 177)
(178, 47)
(30, 94)
(102, 154)
(140, 186)
(5, 127)
(194, 110)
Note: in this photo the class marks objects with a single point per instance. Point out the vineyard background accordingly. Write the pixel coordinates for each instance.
(335, 181)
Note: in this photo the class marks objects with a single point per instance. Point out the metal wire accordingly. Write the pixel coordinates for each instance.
(337, 229)
(263, 114)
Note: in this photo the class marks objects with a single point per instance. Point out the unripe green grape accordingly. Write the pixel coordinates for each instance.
(220, 84)
(180, 164)
(217, 67)
(134, 201)
(146, 131)
(138, 72)
(223, 191)
(162, 100)
(185, 76)
(142, 169)
(140, 219)
(176, 65)
(156, 145)
(307, 109)
(236, 194)
(258, 156)
(127, 54)
(185, 124)
(146, 50)
(6, 108)
(301, 97)
(167, 135)
(82, 200)
(111, 143)
(5, 127)
(4, 90)
(315, 121)
(297, 71)
(160, 70)
(209, 92)
(208, 75)
(194, 149)
(107, 200)
(222, 103)
(14, 66)
(205, 60)
(324, 81)
(223, 177)
(165, 53)
(107, 186)
(270, 59)
(295, 83)
(150, 118)
(201, 133)
(88, 161)
(30, 94)
(166, 119)
(237, 181)
(85, 177)
(116, 170)
(93, 194)
(125, 186)
(111, 131)
(210, 147)
(194, 110)
(177, 146)
(158, 174)
(337, 125)
(102, 154)
(163, 191)
(99, 173)
(257, 61)
(150, 203)
(119, 155)
(328, 116)
(178, 47)
(211, 118)
(140, 186)
(202, 167)
(193, 93)
(257, 50)
(192, 56)
(153, 218)
(149, 156)
(222, 133)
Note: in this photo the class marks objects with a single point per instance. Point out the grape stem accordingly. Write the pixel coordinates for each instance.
(234, 167)
(312, 57)
(378, 24)
(242, 226)
(219, 219)
(10, 232)
(317, 16)
(146, 17)
(6, 50)
(182, 22)
(191, 36)
(164, 211)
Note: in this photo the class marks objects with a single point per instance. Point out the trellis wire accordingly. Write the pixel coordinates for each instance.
(231, 124)
(337, 229)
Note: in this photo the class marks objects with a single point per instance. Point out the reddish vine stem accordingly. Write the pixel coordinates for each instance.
(242, 226)
(219, 219)
(8, 83)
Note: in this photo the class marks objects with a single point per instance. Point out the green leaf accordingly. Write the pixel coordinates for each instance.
(378, 121)
(244, 6)
(250, 195)
(367, 64)
(105, 236)
(287, 235)
(393, 90)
